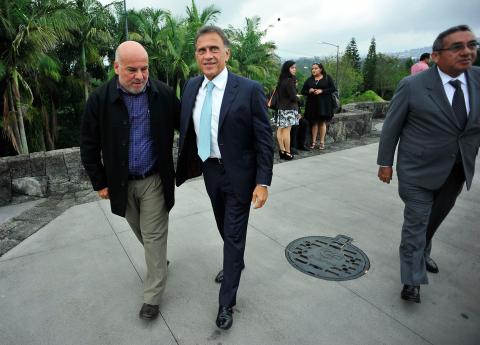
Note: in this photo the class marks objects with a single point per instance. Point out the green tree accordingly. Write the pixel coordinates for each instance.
(389, 71)
(195, 20)
(147, 27)
(251, 57)
(90, 34)
(350, 80)
(369, 67)
(351, 53)
(29, 30)
(409, 63)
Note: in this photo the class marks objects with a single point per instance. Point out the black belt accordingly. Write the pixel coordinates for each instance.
(217, 161)
(141, 177)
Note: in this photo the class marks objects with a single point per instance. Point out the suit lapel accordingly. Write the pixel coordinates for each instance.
(231, 90)
(438, 95)
(191, 97)
(473, 90)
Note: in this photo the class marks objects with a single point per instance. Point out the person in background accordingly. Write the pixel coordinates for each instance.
(318, 108)
(421, 65)
(126, 149)
(287, 115)
(435, 115)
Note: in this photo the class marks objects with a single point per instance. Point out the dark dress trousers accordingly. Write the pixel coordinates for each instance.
(436, 156)
(105, 140)
(246, 146)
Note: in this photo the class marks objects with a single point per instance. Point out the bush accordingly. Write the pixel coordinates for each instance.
(367, 96)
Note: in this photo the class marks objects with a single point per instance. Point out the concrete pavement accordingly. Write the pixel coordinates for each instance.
(78, 280)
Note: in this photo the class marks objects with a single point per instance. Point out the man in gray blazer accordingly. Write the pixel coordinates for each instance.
(436, 116)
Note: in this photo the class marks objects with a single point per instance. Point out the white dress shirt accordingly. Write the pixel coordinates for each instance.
(450, 90)
(219, 82)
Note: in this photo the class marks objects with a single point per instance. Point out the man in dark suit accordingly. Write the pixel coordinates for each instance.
(436, 116)
(126, 148)
(225, 134)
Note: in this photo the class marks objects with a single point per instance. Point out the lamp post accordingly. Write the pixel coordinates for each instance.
(336, 73)
(126, 22)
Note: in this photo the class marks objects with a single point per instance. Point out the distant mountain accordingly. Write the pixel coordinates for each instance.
(412, 53)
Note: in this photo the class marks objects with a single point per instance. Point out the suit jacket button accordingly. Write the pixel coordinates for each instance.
(125, 122)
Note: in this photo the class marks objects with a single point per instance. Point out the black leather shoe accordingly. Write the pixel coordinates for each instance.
(148, 311)
(431, 265)
(224, 317)
(219, 277)
(411, 293)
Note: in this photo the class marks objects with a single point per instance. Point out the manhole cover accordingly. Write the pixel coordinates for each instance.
(327, 257)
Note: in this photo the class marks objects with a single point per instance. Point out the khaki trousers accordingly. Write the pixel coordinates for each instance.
(148, 218)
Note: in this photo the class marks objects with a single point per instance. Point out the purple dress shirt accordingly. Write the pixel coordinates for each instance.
(141, 158)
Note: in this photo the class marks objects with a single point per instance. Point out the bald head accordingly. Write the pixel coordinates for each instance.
(130, 49)
(131, 66)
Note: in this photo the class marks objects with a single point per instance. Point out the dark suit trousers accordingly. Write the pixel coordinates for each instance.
(231, 215)
(425, 210)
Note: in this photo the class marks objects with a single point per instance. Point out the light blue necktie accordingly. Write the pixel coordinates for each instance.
(204, 142)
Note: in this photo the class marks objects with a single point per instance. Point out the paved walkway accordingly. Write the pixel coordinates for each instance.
(78, 280)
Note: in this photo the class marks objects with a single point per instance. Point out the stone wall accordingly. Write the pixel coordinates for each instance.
(347, 125)
(60, 172)
(378, 109)
(42, 174)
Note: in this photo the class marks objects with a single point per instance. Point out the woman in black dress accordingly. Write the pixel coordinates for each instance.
(287, 115)
(318, 107)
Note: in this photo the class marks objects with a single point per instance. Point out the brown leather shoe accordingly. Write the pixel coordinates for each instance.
(148, 311)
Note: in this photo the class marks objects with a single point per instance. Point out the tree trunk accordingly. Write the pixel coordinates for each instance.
(84, 70)
(13, 132)
(47, 129)
(19, 113)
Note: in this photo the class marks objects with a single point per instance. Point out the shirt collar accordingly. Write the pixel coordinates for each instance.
(220, 81)
(446, 78)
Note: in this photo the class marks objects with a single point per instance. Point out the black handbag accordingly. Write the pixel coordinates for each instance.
(335, 101)
(273, 101)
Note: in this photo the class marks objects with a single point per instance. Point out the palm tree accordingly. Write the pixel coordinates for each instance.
(29, 31)
(91, 34)
(170, 41)
(251, 57)
(146, 27)
(178, 57)
(194, 21)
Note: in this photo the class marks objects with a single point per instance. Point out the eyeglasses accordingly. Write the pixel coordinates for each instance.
(457, 47)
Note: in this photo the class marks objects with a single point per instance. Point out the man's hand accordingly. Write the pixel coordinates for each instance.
(259, 196)
(103, 193)
(385, 174)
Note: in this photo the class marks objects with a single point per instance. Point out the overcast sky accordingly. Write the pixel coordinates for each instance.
(397, 25)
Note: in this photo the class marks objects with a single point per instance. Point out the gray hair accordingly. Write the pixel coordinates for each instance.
(438, 43)
(207, 29)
